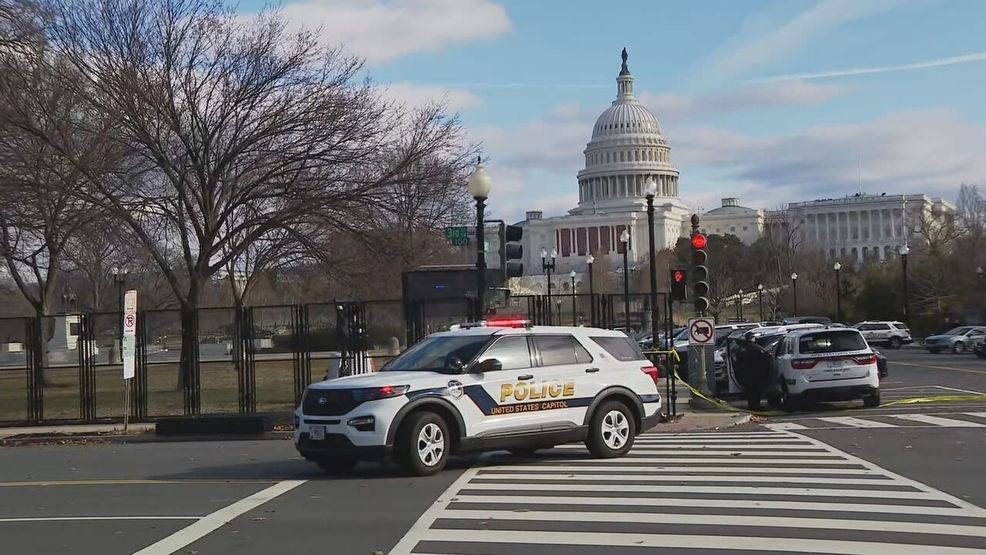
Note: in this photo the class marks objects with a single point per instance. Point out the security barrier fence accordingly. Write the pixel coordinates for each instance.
(67, 367)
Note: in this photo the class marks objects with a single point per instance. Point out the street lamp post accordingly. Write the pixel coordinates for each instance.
(625, 239)
(903, 268)
(546, 267)
(558, 305)
(479, 187)
(838, 292)
(760, 299)
(574, 319)
(651, 188)
(739, 305)
(794, 288)
(592, 296)
(120, 280)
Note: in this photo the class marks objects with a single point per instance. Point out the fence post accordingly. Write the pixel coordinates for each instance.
(87, 371)
(138, 393)
(192, 378)
(35, 370)
(302, 357)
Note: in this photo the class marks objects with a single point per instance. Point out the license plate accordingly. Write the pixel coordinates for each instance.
(317, 433)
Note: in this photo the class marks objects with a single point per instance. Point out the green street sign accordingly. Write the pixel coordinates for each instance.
(457, 235)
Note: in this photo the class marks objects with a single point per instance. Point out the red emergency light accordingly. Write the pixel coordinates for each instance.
(507, 323)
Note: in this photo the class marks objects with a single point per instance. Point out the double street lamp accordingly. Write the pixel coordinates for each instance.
(625, 239)
(794, 289)
(479, 186)
(547, 265)
(838, 292)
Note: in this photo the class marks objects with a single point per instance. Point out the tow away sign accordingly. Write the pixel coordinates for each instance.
(701, 331)
(129, 350)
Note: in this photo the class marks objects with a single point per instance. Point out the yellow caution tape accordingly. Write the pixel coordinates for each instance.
(719, 403)
(936, 399)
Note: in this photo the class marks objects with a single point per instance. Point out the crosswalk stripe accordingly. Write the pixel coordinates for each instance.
(785, 426)
(712, 519)
(857, 422)
(751, 504)
(680, 478)
(751, 441)
(750, 543)
(723, 490)
(720, 493)
(938, 421)
(677, 470)
(976, 414)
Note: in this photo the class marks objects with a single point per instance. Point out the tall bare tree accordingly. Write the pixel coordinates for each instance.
(237, 128)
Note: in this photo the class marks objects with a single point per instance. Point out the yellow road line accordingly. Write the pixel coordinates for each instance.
(969, 370)
(54, 483)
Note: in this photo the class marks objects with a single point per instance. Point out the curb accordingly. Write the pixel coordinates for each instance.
(118, 439)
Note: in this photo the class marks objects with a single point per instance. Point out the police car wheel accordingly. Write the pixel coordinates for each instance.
(872, 400)
(337, 465)
(611, 431)
(423, 445)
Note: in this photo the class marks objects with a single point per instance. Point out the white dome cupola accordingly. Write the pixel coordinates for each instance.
(626, 149)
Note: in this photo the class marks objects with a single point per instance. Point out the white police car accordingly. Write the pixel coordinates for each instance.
(484, 387)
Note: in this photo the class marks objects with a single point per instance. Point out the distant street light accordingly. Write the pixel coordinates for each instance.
(547, 265)
(574, 320)
(625, 239)
(760, 299)
(479, 186)
(592, 294)
(794, 288)
(651, 189)
(120, 280)
(838, 292)
(739, 305)
(903, 270)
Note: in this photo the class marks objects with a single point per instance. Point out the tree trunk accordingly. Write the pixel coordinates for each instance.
(44, 332)
(189, 362)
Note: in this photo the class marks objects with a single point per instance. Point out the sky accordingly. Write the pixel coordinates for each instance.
(771, 101)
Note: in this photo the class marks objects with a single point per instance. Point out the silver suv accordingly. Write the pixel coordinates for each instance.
(891, 334)
(958, 340)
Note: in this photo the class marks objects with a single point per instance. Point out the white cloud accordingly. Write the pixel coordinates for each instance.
(383, 30)
(941, 62)
(672, 107)
(747, 53)
(929, 152)
(414, 95)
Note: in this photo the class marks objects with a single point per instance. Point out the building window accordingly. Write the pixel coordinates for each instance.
(604, 240)
(580, 241)
(593, 239)
(621, 156)
(744, 228)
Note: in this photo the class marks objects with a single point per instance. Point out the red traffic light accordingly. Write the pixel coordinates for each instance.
(678, 276)
(698, 241)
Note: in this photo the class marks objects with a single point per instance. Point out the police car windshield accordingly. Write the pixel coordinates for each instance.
(434, 354)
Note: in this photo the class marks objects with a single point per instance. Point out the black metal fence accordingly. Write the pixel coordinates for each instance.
(259, 359)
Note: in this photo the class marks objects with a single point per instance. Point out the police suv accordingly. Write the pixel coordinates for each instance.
(482, 387)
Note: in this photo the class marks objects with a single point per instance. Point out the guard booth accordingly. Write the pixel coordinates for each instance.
(435, 297)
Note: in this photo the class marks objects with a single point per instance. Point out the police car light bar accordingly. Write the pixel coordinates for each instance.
(507, 322)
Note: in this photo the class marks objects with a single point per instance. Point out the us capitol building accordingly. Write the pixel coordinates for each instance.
(625, 151)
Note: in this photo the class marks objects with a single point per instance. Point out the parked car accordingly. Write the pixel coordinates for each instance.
(824, 365)
(891, 334)
(958, 340)
(807, 320)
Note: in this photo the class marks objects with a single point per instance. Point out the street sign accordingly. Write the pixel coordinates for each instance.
(457, 235)
(701, 331)
(129, 349)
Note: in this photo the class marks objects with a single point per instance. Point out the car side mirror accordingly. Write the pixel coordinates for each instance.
(488, 365)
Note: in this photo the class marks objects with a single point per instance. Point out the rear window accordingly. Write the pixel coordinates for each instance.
(621, 348)
(831, 342)
(560, 349)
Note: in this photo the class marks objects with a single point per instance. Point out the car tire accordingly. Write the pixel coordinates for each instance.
(423, 444)
(774, 400)
(958, 348)
(337, 465)
(872, 401)
(895, 343)
(788, 402)
(611, 431)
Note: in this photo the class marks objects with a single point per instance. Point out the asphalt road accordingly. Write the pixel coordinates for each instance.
(901, 479)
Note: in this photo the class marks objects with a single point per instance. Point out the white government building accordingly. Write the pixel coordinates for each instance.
(625, 152)
(856, 228)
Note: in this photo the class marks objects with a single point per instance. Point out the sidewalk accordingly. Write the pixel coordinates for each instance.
(75, 430)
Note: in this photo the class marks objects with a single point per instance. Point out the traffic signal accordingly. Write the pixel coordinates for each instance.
(700, 272)
(679, 285)
(513, 251)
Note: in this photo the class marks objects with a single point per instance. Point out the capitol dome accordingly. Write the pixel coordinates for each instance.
(625, 151)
